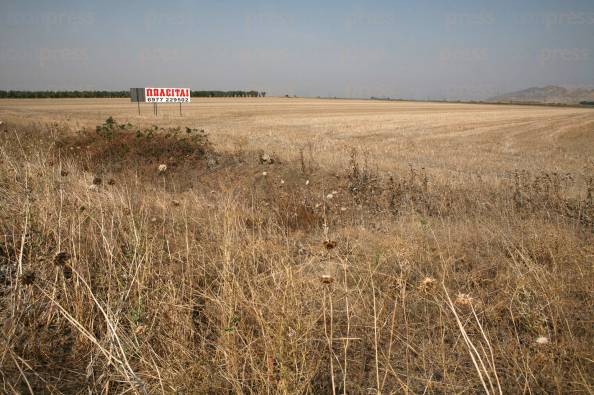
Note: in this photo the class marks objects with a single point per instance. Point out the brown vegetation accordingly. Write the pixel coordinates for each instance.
(223, 272)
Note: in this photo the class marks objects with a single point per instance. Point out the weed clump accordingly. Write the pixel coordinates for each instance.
(119, 147)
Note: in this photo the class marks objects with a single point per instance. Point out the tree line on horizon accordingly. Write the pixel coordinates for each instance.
(14, 94)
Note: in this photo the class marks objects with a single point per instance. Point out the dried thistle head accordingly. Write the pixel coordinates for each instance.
(28, 277)
(427, 283)
(97, 180)
(266, 159)
(542, 340)
(464, 299)
(139, 329)
(61, 258)
(162, 168)
(329, 244)
(326, 279)
(67, 272)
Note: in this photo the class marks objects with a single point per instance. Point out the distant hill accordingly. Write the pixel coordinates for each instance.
(548, 94)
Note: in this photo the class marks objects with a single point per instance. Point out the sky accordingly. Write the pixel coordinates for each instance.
(400, 49)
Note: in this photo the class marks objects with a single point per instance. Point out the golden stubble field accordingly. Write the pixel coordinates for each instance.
(479, 139)
(295, 246)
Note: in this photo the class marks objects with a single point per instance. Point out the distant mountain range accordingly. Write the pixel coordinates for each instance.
(549, 94)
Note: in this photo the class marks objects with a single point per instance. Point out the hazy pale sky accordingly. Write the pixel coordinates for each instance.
(400, 49)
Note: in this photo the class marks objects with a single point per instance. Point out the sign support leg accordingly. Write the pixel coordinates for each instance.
(180, 114)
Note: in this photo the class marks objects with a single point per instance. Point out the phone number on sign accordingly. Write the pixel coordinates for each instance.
(168, 100)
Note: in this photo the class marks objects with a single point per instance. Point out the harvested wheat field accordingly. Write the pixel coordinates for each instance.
(296, 246)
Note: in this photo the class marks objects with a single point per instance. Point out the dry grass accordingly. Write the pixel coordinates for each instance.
(389, 247)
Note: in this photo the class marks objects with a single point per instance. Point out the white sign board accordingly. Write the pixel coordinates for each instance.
(167, 95)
